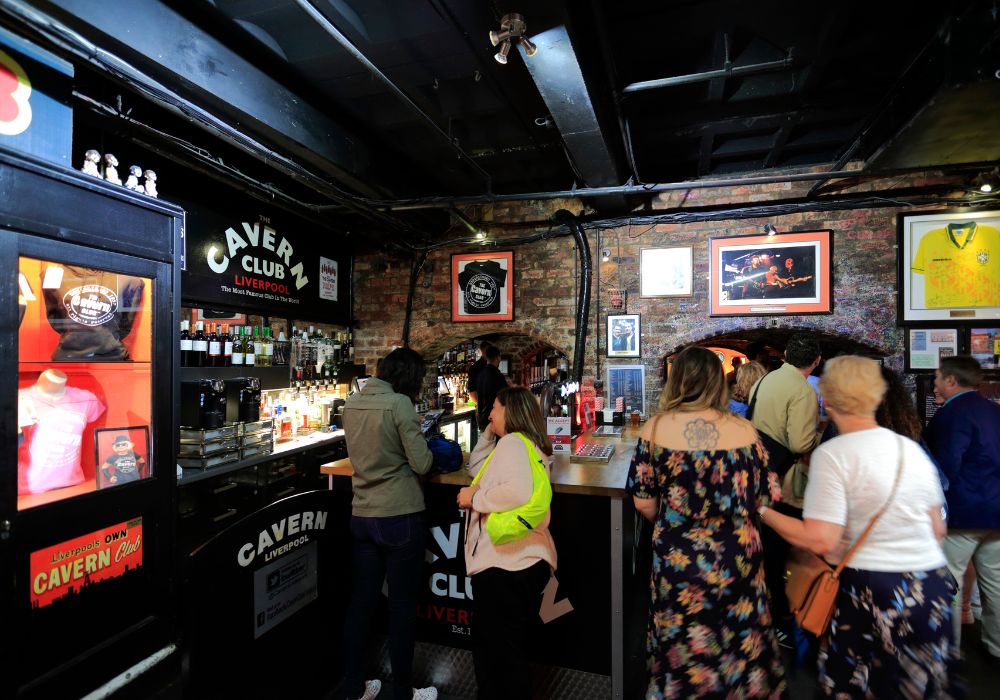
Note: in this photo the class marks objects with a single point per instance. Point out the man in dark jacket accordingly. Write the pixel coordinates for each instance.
(489, 384)
(964, 436)
(477, 368)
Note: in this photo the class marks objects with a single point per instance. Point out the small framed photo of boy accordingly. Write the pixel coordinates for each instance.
(623, 335)
(121, 455)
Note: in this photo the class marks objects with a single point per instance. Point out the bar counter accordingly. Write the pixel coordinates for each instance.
(594, 607)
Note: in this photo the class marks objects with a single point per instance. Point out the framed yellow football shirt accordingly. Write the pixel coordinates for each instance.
(961, 266)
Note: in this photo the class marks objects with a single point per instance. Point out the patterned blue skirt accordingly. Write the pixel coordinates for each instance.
(891, 637)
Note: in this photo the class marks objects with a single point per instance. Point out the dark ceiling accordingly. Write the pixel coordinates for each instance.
(373, 102)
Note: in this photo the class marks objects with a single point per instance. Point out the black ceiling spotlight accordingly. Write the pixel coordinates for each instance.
(512, 30)
(988, 181)
(770, 230)
(606, 255)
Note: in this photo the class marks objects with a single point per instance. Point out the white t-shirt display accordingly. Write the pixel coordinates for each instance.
(850, 479)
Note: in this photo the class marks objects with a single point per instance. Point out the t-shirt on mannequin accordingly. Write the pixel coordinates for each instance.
(54, 416)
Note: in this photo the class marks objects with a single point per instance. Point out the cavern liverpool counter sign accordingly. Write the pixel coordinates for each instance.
(260, 264)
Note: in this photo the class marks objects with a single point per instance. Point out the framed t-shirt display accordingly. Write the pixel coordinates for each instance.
(482, 286)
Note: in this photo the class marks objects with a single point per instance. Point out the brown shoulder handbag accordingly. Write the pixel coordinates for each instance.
(811, 584)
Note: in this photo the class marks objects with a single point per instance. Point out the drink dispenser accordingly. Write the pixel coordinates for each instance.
(203, 403)
(243, 394)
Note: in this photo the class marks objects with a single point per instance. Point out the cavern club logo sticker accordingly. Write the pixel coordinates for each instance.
(72, 566)
(91, 304)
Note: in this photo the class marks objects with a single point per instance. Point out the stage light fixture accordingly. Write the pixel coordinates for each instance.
(512, 31)
(606, 255)
(770, 230)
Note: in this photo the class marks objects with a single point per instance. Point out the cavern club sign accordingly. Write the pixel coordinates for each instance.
(264, 264)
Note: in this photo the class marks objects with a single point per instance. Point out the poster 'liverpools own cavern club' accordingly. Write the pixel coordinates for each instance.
(70, 566)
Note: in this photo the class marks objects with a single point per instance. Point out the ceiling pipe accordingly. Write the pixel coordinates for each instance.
(583, 300)
(346, 44)
(584, 192)
(730, 71)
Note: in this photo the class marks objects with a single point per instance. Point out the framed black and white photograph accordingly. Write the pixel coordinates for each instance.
(949, 267)
(771, 275)
(623, 335)
(926, 346)
(482, 286)
(666, 272)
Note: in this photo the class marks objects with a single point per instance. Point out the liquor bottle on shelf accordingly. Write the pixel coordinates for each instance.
(268, 347)
(199, 346)
(236, 356)
(214, 348)
(186, 344)
(249, 351)
(258, 349)
(227, 346)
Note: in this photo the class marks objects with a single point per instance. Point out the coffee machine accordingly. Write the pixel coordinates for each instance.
(203, 403)
(243, 399)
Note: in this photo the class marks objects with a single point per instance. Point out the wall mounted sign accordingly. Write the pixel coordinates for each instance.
(35, 93)
(629, 383)
(262, 263)
(926, 346)
(66, 568)
(949, 267)
(984, 345)
(665, 272)
(482, 286)
(785, 274)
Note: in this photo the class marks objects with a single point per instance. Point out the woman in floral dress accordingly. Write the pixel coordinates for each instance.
(700, 475)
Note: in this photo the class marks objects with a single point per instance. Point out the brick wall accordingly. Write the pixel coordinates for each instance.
(545, 291)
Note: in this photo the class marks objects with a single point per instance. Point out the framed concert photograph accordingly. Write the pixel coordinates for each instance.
(482, 286)
(121, 455)
(771, 275)
(666, 272)
(623, 335)
(926, 346)
(948, 267)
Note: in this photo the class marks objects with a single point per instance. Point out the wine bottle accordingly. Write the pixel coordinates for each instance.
(214, 348)
(268, 347)
(227, 346)
(199, 346)
(249, 351)
(237, 352)
(185, 343)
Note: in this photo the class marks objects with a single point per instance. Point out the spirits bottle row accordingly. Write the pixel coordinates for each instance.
(315, 356)
(223, 345)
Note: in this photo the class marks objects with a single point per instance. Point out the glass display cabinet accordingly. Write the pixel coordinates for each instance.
(87, 494)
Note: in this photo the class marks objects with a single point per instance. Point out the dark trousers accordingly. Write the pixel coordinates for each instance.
(384, 548)
(505, 626)
(775, 554)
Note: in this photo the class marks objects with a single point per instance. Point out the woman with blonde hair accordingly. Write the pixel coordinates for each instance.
(507, 579)
(891, 633)
(700, 475)
(746, 376)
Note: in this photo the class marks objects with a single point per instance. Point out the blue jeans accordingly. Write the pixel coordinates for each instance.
(384, 548)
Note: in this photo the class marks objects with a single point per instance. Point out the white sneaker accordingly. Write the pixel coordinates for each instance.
(430, 693)
(372, 689)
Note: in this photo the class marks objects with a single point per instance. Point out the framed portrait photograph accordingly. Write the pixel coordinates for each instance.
(666, 272)
(926, 346)
(949, 267)
(482, 286)
(779, 275)
(121, 455)
(627, 382)
(623, 335)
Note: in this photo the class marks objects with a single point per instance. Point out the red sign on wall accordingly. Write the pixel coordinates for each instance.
(83, 561)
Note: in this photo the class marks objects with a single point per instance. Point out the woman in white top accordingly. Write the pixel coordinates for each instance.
(507, 579)
(891, 633)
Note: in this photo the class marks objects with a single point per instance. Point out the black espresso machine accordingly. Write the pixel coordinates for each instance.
(243, 399)
(203, 403)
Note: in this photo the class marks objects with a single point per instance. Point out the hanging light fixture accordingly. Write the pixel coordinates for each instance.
(770, 230)
(512, 31)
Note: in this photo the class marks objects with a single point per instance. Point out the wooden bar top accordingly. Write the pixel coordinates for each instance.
(569, 475)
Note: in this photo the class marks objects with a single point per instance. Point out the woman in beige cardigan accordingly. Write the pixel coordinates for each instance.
(507, 579)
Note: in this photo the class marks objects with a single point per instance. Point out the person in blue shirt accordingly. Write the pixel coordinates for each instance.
(964, 437)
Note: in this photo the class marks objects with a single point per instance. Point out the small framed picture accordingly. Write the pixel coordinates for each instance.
(482, 286)
(666, 272)
(926, 346)
(984, 345)
(949, 272)
(628, 383)
(121, 455)
(623, 335)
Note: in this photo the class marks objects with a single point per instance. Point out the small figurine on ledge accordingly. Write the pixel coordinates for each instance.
(90, 160)
(150, 183)
(132, 182)
(111, 169)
